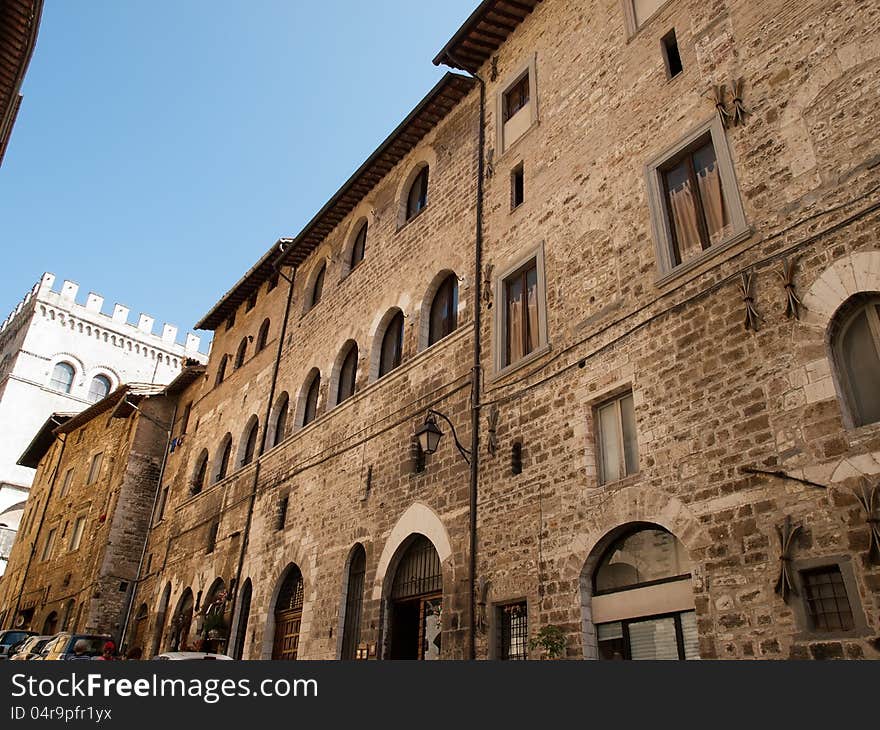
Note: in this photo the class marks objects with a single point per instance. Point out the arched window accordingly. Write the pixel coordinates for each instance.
(223, 461)
(288, 615)
(241, 353)
(201, 471)
(310, 410)
(221, 370)
(643, 603)
(282, 409)
(354, 600)
(392, 345)
(855, 340)
(250, 443)
(359, 246)
(263, 336)
(317, 286)
(99, 388)
(444, 310)
(62, 377)
(347, 375)
(417, 197)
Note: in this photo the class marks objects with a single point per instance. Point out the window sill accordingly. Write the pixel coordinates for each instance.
(414, 218)
(509, 148)
(682, 270)
(521, 363)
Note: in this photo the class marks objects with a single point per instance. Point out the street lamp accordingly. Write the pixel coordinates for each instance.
(429, 435)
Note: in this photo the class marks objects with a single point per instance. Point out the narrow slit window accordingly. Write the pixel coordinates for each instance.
(671, 55)
(517, 186)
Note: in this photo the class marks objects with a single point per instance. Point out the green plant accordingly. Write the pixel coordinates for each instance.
(214, 622)
(550, 640)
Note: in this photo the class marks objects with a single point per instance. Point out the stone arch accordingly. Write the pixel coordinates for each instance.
(424, 157)
(250, 431)
(333, 385)
(303, 394)
(360, 221)
(855, 273)
(279, 416)
(376, 340)
(161, 613)
(269, 628)
(609, 520)
(428, 300)
(321, 261)
(418, 519)
(223, 464)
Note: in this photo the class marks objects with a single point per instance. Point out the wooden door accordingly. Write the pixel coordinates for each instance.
(286, 642)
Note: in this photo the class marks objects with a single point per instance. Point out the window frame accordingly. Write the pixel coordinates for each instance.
(79, 527)
(627, 622)
(840, 325)
(629, 14)
(314, 387)
(65, 482)
(359, 244)
(102, 378)
(422, 176)
(450, 284)
(341, 384)
(382, 370)
(316, 289)
(502, 625)
(499, 334)
(844, 563)
(49, 545)
(667, 269)
(96, 461)
(52, 380)
(614, 400)
(528, 69)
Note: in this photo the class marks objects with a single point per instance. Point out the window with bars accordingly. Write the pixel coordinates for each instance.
(513, 631)
(827, 603)
(616, 439)
(419, 571)
(354, 598)
(516, 97)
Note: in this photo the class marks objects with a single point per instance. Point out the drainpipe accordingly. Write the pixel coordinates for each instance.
(33, 551)
(137, 580)
(253, 496)
(476, 371)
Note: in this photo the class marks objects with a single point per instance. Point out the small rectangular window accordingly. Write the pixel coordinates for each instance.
(827, 603)
(95, 468)
(76, 536)
(281, 515)
(517, 188)
(163, 500)
(230, 323)
(65, 484)
(616, 436)
(251, 302)
(50, 543)
(273, 282)
(184, 419)
(513, 631)
(213, 529)
(521, 305)
(516, 97)
(671, 55)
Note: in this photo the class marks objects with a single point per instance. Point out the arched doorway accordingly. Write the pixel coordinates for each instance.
(244, 611)
(140, 628)
(354, 602)
(288, 615)
(214, 626)
(180, 624)
(642, 597)
(50, 625)
(414, 602)
(160, 620)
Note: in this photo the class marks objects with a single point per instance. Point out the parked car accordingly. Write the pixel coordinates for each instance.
(30, 648)
(62, 646)
(10, 638)
(188, 655)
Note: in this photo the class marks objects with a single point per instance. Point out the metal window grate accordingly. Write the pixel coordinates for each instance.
(514, 624)
(354, 603)
(826, 599)
(419, 571)
(290, 598)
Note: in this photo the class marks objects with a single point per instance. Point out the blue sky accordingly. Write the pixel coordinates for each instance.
(162, 146)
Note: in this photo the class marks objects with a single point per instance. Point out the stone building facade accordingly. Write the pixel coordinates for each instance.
(81, 538)
(669, 268)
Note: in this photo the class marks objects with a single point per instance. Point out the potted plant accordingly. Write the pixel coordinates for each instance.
(550, 640)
